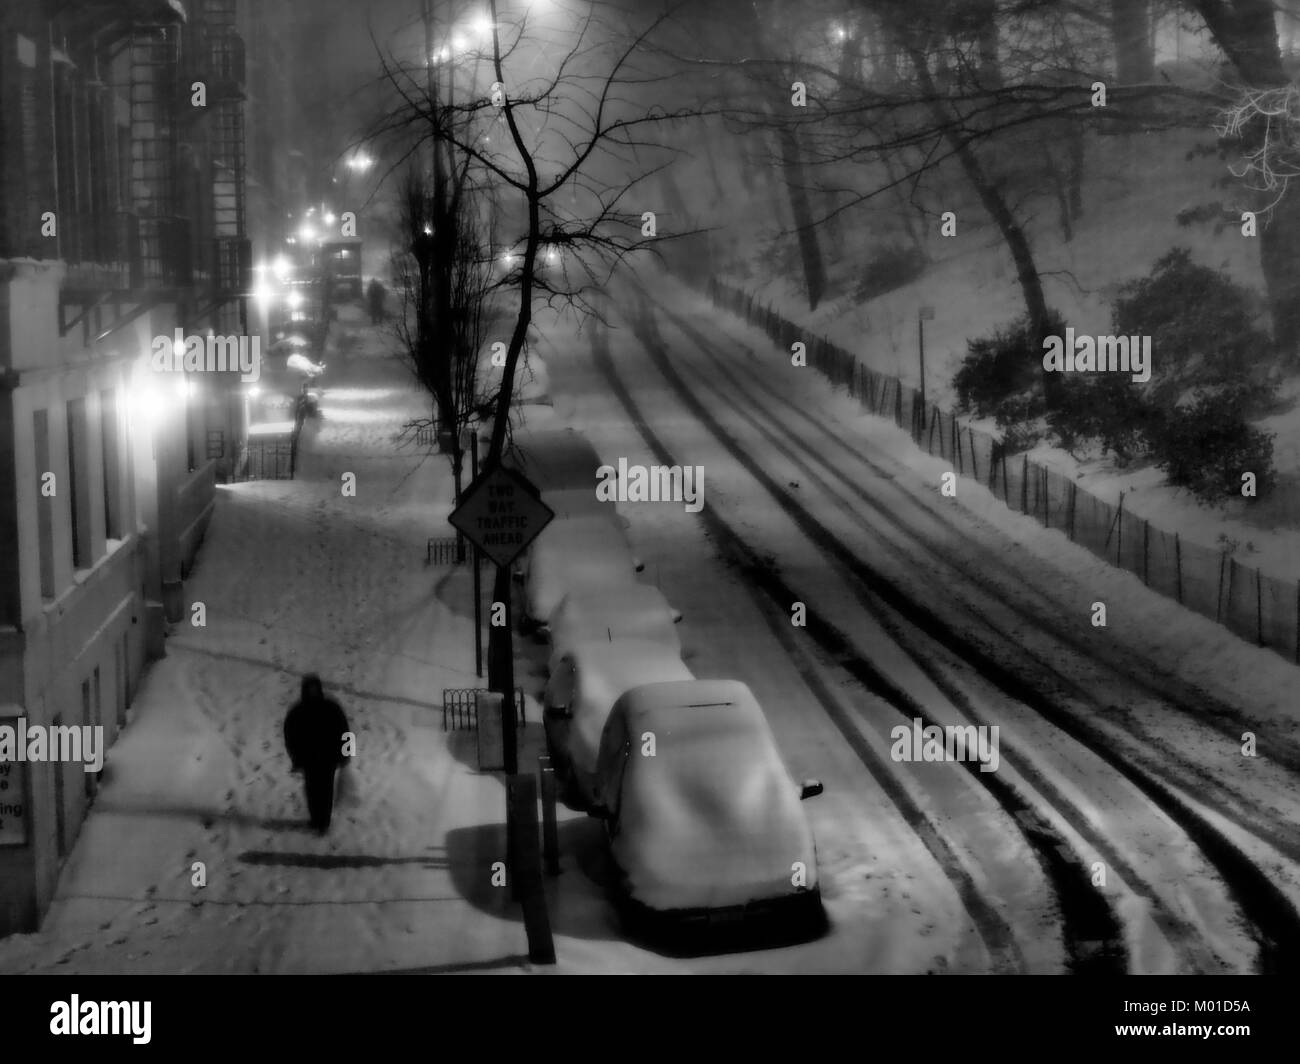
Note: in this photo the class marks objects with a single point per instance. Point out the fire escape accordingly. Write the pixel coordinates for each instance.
(221, 60)
(165, 258)
(151, 245)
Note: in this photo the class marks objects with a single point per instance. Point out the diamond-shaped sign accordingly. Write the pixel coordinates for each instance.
(501, 513)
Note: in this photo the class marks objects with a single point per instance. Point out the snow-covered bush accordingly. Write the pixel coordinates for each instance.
(1202, 325)
(1206, 445)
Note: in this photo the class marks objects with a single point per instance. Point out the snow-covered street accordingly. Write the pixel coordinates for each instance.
(925, 867)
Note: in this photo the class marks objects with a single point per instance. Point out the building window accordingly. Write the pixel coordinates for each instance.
(79, 484)
(44, 502)
(108, 420)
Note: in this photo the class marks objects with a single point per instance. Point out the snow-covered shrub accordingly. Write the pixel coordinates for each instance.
(1202, 325)
(1000, 377)
(1108, 408)
(1207, 444)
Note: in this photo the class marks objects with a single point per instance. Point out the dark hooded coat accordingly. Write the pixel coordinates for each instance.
(314, 728)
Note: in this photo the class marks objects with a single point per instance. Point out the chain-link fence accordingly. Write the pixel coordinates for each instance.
(1260, 608)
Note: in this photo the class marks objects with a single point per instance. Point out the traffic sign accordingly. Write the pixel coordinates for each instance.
(501, 513)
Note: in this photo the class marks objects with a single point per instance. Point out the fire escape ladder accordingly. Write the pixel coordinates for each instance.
(153, 153)
(224, 59)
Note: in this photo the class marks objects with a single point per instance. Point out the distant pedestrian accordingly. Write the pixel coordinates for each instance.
(314, 737)
(375, 294)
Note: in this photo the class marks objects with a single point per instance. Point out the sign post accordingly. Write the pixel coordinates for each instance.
(501, 513)
(471, 435)
(923, 315)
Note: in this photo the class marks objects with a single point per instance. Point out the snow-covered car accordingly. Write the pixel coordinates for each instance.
(574, 502)
(575, 554)
(638, 611)
(581, 502)
(289, 344)
(302, 364)
(556, 459)
(585, 683)
(577, 528)
(703, 818)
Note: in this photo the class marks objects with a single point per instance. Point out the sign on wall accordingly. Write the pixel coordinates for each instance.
(13, 803)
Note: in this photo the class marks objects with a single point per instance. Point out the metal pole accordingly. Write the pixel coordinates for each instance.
(920, 343)
(550, 834)
(501, 669)
(478, 574)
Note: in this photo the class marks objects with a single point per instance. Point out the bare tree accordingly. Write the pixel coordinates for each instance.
(445, 308)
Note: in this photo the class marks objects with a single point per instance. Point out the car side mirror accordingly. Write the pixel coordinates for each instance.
(518, 576)
(563, 712)
(810, 789)
(598, 811)
(677, 616)
(640, 565)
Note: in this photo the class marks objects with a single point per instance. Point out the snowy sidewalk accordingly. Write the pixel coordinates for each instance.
(296, 577)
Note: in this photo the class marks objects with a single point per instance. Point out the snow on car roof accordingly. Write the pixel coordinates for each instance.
(556, 458)
(605, 670)
(623, 657)
(635, 611)
(575, 502)
(582, 606)
(712, 729)
(563, 564)
(579, 530)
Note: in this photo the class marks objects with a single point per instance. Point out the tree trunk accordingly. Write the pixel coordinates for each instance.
(810, 251)
(1246, 32)
(1075, 147)
(994, 202)
(1130, 22)
(792, 172)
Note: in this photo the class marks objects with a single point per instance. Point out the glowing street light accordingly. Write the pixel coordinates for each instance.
(281, 267)
(360, 162)
(294, 299)
(481, 25)
(307, 233)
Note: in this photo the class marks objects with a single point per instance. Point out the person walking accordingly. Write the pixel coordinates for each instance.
(375, 294)
(314, 732)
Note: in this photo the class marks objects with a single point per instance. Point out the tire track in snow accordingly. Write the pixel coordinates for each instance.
(1251, 888)
(993, 929)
